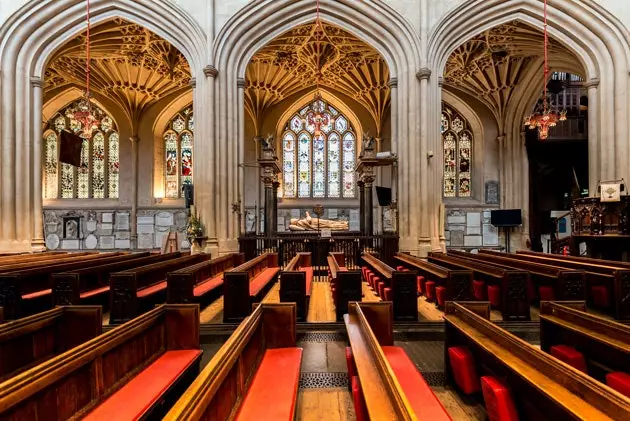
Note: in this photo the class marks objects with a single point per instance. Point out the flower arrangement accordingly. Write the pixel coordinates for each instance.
(194, 228)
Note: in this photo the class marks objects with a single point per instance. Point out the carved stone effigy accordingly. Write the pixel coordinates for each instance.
(309, 223)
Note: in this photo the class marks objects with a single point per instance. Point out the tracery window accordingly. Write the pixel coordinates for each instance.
(322, 165)
(178, 153)
(457, 141)
(98, 175)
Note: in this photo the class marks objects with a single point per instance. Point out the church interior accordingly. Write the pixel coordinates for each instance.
(314, 210)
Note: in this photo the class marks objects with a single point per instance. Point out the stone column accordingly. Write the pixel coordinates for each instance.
(594, 155)
(37, 236)
(269, 174)
(274, 201)
(423, 207)
(393, 87)
(368, 181)
(502, 179)
(206, 192)
(361, 206)
(133, 218)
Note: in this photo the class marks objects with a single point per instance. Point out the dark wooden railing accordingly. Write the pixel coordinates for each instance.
(287, 245)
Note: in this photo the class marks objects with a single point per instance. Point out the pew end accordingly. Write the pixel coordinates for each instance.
(481, 308)
(182, 326)
(547, 307)
(380, 317)
(79, 324)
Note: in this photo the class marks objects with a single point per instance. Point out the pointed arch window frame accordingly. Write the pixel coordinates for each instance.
(458, 152)
(179, 153)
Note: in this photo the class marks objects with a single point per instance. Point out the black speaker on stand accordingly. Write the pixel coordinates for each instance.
(384, 196)
(506, 218)
(189, 195)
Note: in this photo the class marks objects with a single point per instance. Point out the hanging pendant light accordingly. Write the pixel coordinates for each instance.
(84, 113)
(543, 117)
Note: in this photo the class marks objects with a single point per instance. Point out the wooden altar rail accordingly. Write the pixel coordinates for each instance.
(288, 245)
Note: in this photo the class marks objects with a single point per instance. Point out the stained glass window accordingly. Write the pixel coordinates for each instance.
(178, 153)
(457, 141)
(321, 165)
(92, 179)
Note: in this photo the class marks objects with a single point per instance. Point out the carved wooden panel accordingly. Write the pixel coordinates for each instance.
(405, 295)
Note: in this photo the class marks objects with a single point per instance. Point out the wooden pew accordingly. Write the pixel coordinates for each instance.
(28, 291)
(513, 283)
(200, 282)
(52, 260)
(458, 283)
(542, 387)
(391, 385)
(32, 340)
(568, 284)
(403, 287)
(31, 257)
(296, 283)
(346, 285)
(135, 290)
(247, 284)
(91, 284)
(254, 375)
(604, 344)
(131, 372)
(615, 278)
(615, 263)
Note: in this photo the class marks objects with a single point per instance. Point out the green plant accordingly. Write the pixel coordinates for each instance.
(194, 228)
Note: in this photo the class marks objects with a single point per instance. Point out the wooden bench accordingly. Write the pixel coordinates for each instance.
(254, 376)
(200, 282)
(614, 278)
(31, 257)
(296, 283)
(28, 291)
(346, 285)
(131, 372)
(91, 285)
(403, 286)
(49, 260)
(457, 283)
(391, 385)
(134, 291)
(32, 340)
(513, 283)
(542, 387)
(604, 344)
(567, 284)
(247, 284)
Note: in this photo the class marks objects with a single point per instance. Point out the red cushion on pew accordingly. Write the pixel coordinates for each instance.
(479, 290)
(464, 369)
(440, 295)
(422, 399)
(152, 289)
(387, 294)
(93, 292)
(430, 290)
(352, 367)
(499, 403)
(400, 268)
(420, 280)
(375, 282)
(37, 294)
(494, 295)
(371, 277)
(309, 278)
(143, 391)
(619, 381)
(569, 355)
(208, 285)
(600, 295)
(272, 394)
(381, 289)
(360, 408)
(263, 278)
(546, 293)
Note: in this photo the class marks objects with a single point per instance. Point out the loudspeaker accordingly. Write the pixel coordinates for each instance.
(70, 148)
(189, 195)
(384, 195)
(506, 217)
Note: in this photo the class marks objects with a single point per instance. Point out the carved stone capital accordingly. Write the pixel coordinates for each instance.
(134, 139)
(193, 82)
(500, 139)
(37, 82)
(440, 81)
(423, 74)
(210, 71)
(367, 175)
(269, 177)
(240, 83)
(593, 83)
(393, 83)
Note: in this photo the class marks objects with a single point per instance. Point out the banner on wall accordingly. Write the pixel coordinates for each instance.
(610, 192)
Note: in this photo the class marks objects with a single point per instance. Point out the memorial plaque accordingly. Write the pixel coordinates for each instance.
(145, 241)
(70, 244)
(107, 242)
(107, 218)
(122, 244)
(122, 221)
(123, 235)
(473, 219)
(52, 241)
(490, 235)
(473, 240)
(473, 230)
(145, 220)
(91, 242)
(164, 219)
(492, 192)
(456, 219)
(457, 238)
(146, 229)
(90, 226)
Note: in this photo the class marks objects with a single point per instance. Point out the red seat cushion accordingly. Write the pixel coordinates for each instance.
(360, 408)
(387, 294)
(420, 280)
(93, 292)
(37, 294)
(152, 289)
(600, 295)
(400, 268)
(546, 293)
(309, 278)
(619, 381)
(135, 398)
(569, 355)
(422, 399)
(430, 290)
(260, 281)
(479, 290)
(499, 403)
(208, 285)
(381, 289)
(371, 277)
(494, 295)
(440, 295)
(464, 369)
(272, 394)
(352, 367)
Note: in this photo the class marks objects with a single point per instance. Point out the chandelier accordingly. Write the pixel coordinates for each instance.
(543, 117)
(84, 113)
(317, 118)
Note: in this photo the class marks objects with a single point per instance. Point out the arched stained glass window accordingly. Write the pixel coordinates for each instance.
(319, 165)
(97, 176)
(178, 153)
(457, 141)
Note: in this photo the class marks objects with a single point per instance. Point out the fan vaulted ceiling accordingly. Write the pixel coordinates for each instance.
(491, 65)
(288, 65)
(130, 65)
